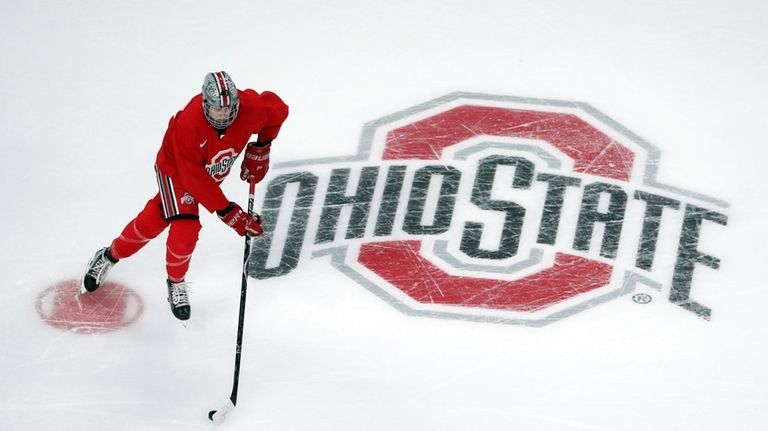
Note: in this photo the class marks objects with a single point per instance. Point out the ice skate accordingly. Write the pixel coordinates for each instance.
(97, 270)
(178, 297)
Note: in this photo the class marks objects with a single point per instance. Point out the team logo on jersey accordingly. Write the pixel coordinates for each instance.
(493, 208)
(219, 166)
(187, 199)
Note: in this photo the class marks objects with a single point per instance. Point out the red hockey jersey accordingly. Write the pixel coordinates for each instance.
(194, 156)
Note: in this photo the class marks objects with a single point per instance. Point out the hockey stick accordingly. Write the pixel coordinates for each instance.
(218, 416)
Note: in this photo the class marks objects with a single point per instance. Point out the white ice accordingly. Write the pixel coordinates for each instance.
(87, 87)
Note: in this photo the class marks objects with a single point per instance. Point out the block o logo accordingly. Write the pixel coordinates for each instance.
(487, 208)
(401, 263)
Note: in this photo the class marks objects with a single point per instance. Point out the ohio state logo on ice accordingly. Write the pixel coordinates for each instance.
(492, 208)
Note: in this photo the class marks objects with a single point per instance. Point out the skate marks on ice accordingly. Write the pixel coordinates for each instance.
(111, 307)
(492, 208)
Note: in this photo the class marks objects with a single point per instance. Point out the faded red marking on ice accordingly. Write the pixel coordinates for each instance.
(402, 265)
(111, 307)
(592, 151)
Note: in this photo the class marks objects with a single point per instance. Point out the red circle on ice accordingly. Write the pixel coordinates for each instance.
(400, 262)
(111, 307)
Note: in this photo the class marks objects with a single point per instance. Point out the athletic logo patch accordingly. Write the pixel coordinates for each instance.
(187, 199)
(493, 208)
(220, 164)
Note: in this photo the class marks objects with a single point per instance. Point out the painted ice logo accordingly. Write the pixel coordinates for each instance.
(220, 164)
(492, 208)
(110, 308)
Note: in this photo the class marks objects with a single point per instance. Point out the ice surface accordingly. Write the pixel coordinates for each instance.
(87, 90)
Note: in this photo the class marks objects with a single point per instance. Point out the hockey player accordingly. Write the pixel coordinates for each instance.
(200, 146)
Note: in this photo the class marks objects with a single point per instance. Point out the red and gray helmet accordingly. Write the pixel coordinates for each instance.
(220, 100)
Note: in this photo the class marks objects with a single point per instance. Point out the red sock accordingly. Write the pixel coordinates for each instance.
(182, 239)
(148, 224)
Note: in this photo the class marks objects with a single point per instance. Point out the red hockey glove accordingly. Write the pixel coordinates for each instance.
(240, 221)
(255, 162)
